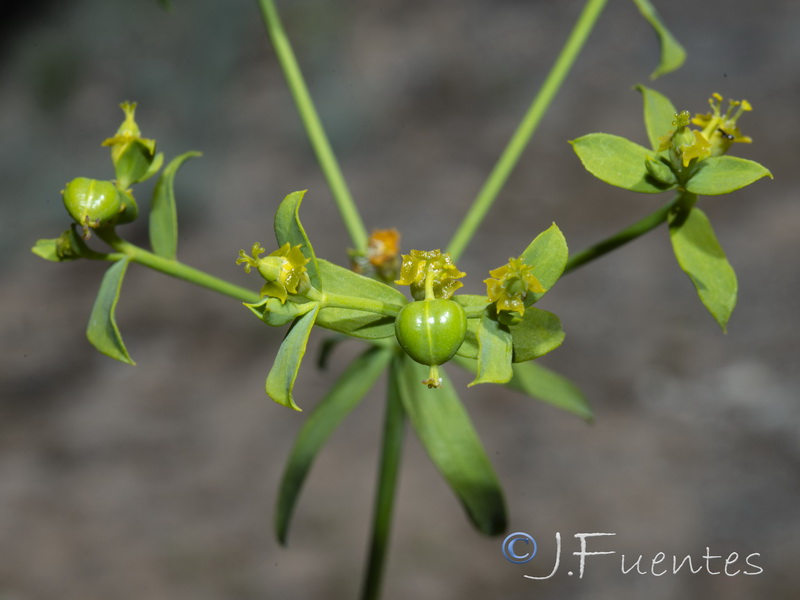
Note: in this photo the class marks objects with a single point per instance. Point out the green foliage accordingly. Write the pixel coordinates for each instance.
(288, 230)
(724, 174)
(495, 351)
(536, 381)
(281, 378)
(163, 213)
(703, 260)
(446, 432)
(659, 115)
(342, 398)
(547, 254)
(672, 53)
(618, 162)
(102, 331)
(364, 324)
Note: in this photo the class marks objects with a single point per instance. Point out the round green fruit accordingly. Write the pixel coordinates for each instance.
(92, 203)
(431, 331)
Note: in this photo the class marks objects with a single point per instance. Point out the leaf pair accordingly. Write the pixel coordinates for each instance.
(623, 163)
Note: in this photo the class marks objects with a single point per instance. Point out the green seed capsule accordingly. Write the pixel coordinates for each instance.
(431, 331)
(92, 203)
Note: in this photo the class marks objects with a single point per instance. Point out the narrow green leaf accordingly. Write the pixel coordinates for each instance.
(547, 254)
(724, 174)
(703, 260)
(338, 280)
(102, 331)
(618, 161)
(539, 333)
(358, 323)
(659, 115)
(495, 352)
(342, 398)
(281, 378)
(446, 432)
(289, 229)
(672, 53)
(158, 161)
(543, 384)
(163, 213)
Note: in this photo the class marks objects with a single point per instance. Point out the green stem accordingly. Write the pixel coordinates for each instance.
(621, 238)
(332, 300)
(311, 122)
(176, 269)
(510, 156)
(394, 427)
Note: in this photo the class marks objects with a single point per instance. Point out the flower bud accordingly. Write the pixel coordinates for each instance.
(134, 157)
(660, 171)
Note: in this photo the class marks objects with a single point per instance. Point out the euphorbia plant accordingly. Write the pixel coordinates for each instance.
(497, 335)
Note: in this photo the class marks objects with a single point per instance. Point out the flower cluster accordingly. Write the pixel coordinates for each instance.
(284, 270)
(722, 130)
(510, 284)
(718, 133)
(431, 274)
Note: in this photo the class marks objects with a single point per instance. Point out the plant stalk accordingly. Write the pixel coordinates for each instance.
(394, 428)
(313, 125)
(621, 238)
(176, 269)
(511, 155)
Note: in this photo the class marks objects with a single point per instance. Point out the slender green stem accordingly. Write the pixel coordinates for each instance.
(331, 300)
(510, 156)
(311, 122)
(394, 428)
(621, 238)
(176, 269)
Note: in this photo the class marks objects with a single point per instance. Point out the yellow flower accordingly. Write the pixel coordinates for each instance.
(722, 130)
(698, 147)
(431, 274)
(510, 284)
(284, 270)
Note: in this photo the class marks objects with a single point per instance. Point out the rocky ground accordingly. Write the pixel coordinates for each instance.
(158, 481)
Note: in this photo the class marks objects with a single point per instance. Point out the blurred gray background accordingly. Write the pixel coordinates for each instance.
(158, 481)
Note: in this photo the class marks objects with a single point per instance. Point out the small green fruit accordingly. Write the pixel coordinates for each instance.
(431, 331)
(92, 203)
